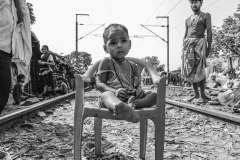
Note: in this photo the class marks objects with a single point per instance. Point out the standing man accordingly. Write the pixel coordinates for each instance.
(11, 15)
(196, 48)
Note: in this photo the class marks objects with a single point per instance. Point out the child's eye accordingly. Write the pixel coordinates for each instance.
(124, 40)
(112, 43)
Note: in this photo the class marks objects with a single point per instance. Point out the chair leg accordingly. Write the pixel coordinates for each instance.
(98, 135)
(143, 137)
(159, 137)
(78, 130)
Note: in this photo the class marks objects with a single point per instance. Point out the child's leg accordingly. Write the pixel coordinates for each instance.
(148, 101)
(24, 98)
(118, 107)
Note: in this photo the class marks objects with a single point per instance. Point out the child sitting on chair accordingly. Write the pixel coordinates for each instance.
(18, 90)
(118, 79)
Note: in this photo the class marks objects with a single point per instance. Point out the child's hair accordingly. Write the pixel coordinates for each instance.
(20, 76)
(45, 46)
(111, 27)
(195, 0)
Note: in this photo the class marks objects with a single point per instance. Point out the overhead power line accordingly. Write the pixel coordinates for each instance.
(91, 31)
(155, 11)
(171, 10)
(179, 24)
(167, 12)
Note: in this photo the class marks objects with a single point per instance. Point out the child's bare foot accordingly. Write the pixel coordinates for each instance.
(131, 99)
(126, 112)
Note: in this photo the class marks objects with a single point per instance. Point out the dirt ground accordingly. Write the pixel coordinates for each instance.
(188, 136)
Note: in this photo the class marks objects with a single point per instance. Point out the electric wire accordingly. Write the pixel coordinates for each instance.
(153, 13)
(166, 15)
(178, 25)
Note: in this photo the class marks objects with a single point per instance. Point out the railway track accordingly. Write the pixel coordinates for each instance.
(208, 110)
(20, 115)
(223, 116)
(9, 119)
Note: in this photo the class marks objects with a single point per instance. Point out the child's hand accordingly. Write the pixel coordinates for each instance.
(230, 84)
(140, 93)
(121, 93)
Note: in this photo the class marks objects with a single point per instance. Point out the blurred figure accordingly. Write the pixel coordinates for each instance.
(19, 94)
(62, 87)
(46, 71)
(8, 22)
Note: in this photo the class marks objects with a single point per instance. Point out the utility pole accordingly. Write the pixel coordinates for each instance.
(168, 74)
(77, 31)
(167, 39)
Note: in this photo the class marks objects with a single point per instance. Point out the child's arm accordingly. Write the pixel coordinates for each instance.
(139, 91)
(209, 33)
(101, 78)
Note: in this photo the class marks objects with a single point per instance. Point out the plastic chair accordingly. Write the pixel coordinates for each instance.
(157, 115)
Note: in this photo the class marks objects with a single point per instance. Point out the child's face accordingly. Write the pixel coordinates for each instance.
(23, 80)
(118, 44)
(195, 5)
(213, 78)
(44, 50)
(230, 75)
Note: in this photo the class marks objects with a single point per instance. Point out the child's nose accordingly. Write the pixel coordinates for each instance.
(120, 44)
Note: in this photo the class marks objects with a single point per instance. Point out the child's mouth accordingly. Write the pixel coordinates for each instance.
(120, 52)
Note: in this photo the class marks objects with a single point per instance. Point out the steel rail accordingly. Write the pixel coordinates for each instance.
(223, 116)
(9, 119)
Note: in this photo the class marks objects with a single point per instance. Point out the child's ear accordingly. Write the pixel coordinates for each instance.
(130, 43)
(105, 48)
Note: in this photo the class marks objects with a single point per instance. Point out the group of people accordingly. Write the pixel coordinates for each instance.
(117, 78)
(227, 90)
(196, 48)
(55, 78)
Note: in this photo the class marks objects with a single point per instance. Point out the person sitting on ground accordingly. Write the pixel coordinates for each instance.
(213, 83)
(232, 82)
(117, 78)
(62, 87)
(230, 90)
(48, 91)
(19, 94)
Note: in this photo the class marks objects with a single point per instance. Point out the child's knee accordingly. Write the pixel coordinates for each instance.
(153, 96)
(107, 94)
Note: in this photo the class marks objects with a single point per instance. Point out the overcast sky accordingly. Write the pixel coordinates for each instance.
(55, 24)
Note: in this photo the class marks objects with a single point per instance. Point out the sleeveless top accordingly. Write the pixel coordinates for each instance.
(44, 58)
(121, 79)
(196, 28)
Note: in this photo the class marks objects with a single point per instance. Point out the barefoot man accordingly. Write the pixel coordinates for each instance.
(196, 48)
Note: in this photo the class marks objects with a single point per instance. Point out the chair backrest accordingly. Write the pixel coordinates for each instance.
(141, 64)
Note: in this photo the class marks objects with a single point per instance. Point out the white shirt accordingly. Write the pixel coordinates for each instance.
(7, 24)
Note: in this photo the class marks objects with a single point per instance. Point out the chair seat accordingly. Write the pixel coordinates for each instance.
(92, 110)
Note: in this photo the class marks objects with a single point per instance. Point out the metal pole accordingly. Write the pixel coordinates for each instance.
(167, 17)
(167, 44)
(77, 33)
